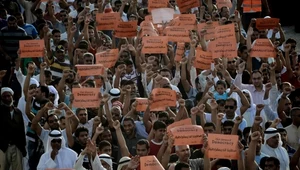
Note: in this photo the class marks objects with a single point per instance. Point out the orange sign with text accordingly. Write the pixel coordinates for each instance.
(126, 29)
(178, 34)
(150, 163)
(31, 48)
(187, 135)
(90, 70)
(210, 29)
(162, 98)
(86, 97)
(223, 47)
(107, 58)
(266, 23)
(183, 122)
(263, 48)
(155, 45)
(107, 21)
(187, 5)
(223, 146)
(203, 59)
(141, 104)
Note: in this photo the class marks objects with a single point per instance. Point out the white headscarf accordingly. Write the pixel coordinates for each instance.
(56, 96)
(279, 152)
(54, 134)
(123, 161)
(34, 81)
(106, 158)
(7, 89)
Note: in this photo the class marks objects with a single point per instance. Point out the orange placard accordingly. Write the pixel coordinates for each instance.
(90, 70)
(31, 48)
(150, 163)
(210, 29)
(263, 48)
(186, 5)
(225, 31)
(180, 51)
(162, 98)
(203, 59)
(147, 28)
(183, 122)
(86, 97)
(223, 146)
(141, 104)
(187, 20)
(222, 3)
(187, 135)
(266, 23)
(126, 29)
(223, 48)
(107, 21)
(107, 58)
(178, 34)
(153, 4)
(155, 45)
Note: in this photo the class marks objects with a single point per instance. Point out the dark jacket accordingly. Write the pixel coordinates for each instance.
(12, 131)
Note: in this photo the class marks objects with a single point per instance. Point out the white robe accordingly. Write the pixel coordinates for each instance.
(66, 158)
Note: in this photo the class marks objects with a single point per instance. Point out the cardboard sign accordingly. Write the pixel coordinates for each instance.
(147, 29)
(180, 51)
(107, 58)
(162, 15)
(150, 163)
(266, 23)
(223, 146)
(187, 5)
(162, 98)
(183, 122)
(86, 97)
(155, 45)
(90, 70)
(126, 29)
(263, 48)
(31, 48)
(224, 3)
(154, 4)
(107, 21)
(225, 31)
(141, 104)
(178, 34)
(210, 29)
(187, 135)
(225, 47)
(203, 59)
(187, 20)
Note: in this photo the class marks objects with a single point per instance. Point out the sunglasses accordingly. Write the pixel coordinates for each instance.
(56, 141)
(229, 107)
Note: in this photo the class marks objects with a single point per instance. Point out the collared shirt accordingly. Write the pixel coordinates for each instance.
(131, 143)
(257, 96)
(293, 134)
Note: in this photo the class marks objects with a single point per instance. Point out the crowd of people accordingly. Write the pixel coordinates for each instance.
(253, 97)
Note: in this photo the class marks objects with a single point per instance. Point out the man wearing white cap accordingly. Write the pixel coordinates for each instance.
(12, 133)
(57, 155)
(273, 147)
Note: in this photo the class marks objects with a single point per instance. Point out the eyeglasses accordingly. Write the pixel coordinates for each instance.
(56, 141)
(229, 107)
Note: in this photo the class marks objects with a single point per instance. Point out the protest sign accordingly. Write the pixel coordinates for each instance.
(31, 48)
(86, 97)
(187, 135)
(107, 58)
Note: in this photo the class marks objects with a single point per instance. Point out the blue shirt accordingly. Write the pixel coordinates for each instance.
(30, 30)
(218, 96)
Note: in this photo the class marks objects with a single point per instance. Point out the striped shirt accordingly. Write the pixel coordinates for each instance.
(10, 40)
(58, 67)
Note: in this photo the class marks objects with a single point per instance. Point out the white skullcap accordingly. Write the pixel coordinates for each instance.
(123, 161)
(34, 81)
(106, 158)
(223, 168)
(267, 17)
(7, 89)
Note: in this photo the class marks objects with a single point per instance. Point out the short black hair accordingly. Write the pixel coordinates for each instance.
(103, 144)
(45, 89)
(181, 165)
(143, 142)
(159, 125)
(79, 130)
(209, 124)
